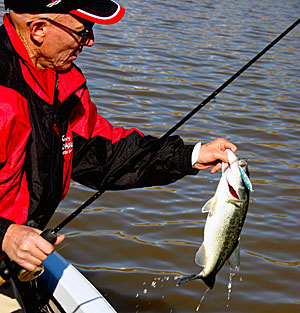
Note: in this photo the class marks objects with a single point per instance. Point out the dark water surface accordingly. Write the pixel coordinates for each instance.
(149, 71)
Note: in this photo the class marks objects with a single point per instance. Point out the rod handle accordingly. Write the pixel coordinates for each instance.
(49, 235)
(23, 274)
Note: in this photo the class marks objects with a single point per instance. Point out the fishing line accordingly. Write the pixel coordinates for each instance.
(51, 234)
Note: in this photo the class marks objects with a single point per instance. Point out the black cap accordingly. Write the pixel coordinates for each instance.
(97, 11)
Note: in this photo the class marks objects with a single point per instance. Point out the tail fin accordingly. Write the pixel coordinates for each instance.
(209, 280)
(186, 279)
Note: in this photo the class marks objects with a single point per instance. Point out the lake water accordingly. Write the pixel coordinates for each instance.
(148, 71)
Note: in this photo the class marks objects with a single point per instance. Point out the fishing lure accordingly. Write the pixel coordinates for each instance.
(246, 179)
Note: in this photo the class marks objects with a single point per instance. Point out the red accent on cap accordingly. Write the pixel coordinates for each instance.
(99, 19)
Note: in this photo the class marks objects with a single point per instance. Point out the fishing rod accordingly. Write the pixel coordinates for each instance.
(51, 234)
(187, 117)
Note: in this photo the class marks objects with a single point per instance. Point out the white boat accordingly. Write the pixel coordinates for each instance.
(70, 289)
(60, 289)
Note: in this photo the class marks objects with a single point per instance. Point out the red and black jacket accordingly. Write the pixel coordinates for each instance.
(50, 132)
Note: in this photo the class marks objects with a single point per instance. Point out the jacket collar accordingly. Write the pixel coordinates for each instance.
(42, 81)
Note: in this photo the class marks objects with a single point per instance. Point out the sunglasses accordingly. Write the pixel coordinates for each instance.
(82, 34)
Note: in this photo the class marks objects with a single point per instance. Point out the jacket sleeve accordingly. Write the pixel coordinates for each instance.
(111, 158)
(130, 162)
(14, 132)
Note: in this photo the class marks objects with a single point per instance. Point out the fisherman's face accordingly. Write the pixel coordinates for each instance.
(61, 46)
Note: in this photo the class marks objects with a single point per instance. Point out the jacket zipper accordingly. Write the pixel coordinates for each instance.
(55, 128)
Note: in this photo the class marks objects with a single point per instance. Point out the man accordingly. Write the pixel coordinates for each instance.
(50, 130)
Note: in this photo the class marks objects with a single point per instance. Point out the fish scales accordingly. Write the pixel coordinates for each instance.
(226, 240)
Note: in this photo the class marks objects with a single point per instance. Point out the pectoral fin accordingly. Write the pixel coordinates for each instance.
(234, 259)
(210, 206)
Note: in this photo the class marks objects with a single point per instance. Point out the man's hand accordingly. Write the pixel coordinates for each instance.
(25, 246)
(211, 155)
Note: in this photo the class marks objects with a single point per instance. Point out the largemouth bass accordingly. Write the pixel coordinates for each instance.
(227, 211)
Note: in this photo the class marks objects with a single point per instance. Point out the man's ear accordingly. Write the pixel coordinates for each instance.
(38, 30)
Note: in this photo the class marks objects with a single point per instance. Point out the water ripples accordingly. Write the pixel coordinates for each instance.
(149, 71)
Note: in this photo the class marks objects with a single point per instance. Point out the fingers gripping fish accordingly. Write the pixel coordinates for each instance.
(227, 211)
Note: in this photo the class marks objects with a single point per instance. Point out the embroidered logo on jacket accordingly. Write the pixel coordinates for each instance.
(67, 144)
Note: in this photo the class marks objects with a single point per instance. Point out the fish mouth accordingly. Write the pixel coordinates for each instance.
(233, 192)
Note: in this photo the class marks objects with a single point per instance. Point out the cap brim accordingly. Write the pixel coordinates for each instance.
(98, 12)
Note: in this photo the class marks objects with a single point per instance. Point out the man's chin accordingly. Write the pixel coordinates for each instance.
(64, 68)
